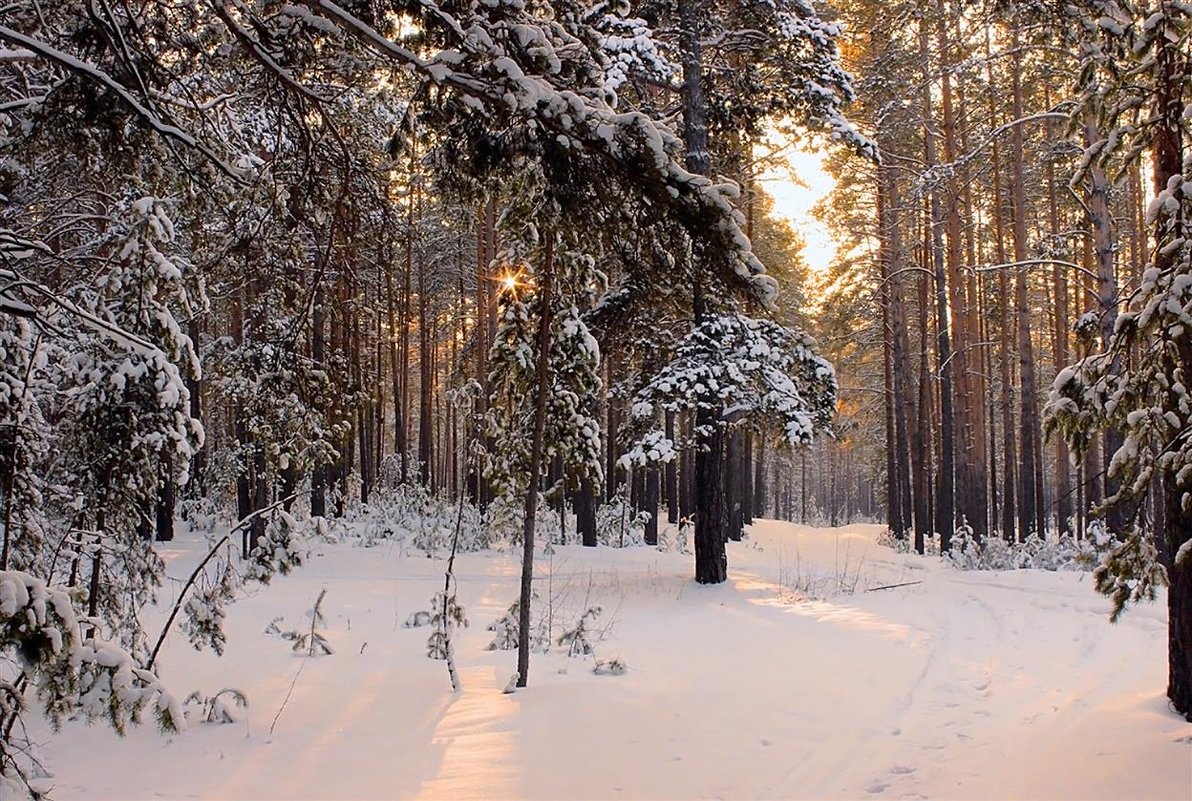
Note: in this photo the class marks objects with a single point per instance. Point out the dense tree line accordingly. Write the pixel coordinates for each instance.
(1013, 267)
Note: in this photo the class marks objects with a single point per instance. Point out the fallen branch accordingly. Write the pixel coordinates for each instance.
(190, 582)
(893, 586)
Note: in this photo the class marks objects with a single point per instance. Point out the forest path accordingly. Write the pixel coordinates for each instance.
(1018, 680)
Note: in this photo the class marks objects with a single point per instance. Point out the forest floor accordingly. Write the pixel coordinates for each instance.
(796, 679)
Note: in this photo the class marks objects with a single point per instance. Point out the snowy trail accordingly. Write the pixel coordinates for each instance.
(1012, 698)
(965, 685)
(476, 732)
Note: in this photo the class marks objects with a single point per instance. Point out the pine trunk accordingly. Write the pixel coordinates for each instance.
(546, 299)
(711, 561)
(946, 366)
(1030, 517)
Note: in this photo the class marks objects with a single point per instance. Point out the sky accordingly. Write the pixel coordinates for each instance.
(796, 186)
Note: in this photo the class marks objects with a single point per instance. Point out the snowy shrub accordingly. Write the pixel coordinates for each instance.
(578, 638)
(411, 513)
(417, 619)
(683, 535)
(203, 514)
(1034, 553)
(610, 667)
(215, 708)
(506, 628)
(966, 550)
(618, 526)
(503, 520)
(907, 544)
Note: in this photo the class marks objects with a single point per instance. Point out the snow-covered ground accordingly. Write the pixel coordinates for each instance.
(793, 680)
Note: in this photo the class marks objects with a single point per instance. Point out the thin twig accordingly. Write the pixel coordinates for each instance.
(289, 692)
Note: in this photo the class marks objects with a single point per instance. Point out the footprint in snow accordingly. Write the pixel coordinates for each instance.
(902, 770)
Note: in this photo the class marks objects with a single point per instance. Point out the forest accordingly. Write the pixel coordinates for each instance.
(501, 276)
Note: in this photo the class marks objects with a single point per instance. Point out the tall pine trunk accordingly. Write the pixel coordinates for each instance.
(1030, 517)
(546, 299)
(711, 561)
(1168, 156)
(946, 366)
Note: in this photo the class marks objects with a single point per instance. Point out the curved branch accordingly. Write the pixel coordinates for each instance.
(94, 74)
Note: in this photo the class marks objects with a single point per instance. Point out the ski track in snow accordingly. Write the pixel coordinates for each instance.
(968, 685)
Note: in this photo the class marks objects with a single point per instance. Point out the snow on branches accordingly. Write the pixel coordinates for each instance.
(572, 428)
(1147, 401)
(62, 661)
(739, 368)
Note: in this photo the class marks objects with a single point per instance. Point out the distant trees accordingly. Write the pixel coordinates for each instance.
(982, 258)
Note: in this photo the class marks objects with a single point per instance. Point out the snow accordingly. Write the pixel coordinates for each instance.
(791, 680)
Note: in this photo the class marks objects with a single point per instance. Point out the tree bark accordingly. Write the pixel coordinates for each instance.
(946, 366)
(650, 502)
(711, 561)
(1101, 220)
(1168, 161)
(425, 383)
(585, 513)
(1030, 517)
(671, 476)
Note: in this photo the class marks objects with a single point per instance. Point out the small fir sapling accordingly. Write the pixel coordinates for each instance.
(444, 623)
(277, 551)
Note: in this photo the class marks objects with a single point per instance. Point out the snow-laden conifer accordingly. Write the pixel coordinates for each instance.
(745, 370)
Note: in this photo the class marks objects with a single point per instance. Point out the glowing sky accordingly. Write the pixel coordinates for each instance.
(796, 186)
